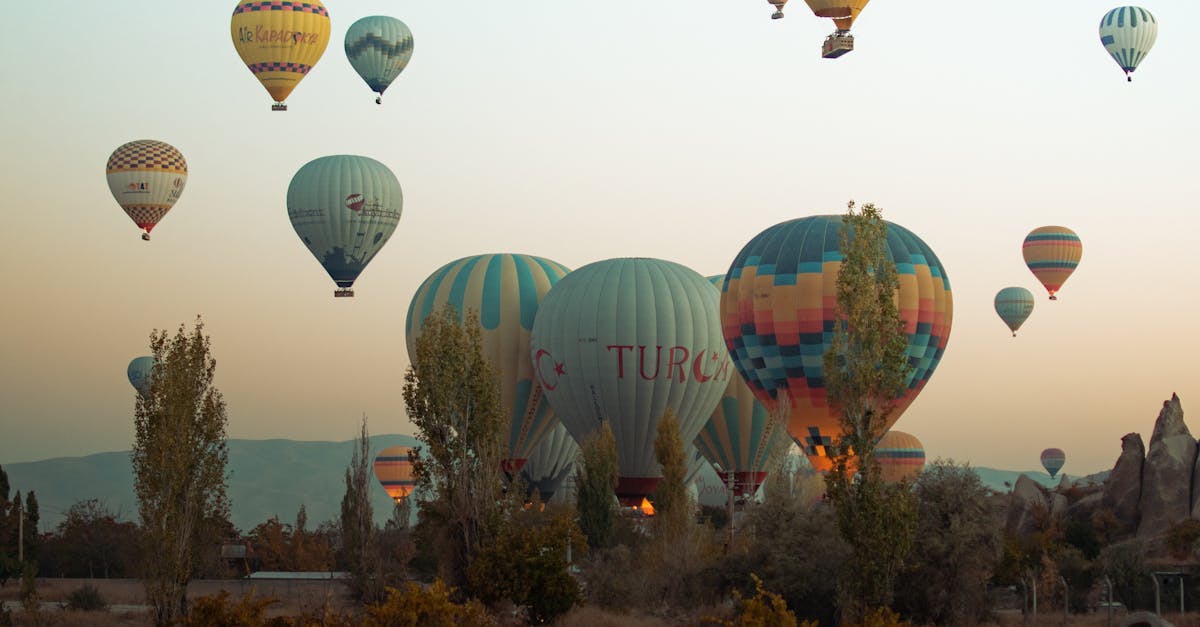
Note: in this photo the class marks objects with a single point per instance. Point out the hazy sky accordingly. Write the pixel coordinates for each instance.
(580, 131)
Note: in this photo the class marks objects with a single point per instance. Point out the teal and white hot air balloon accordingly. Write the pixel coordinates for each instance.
(1128, 33)
(623, 341)
(140, 373)
(379, 48)
(504, 291)
(551, 463)
(1013, 305)
(344, 208)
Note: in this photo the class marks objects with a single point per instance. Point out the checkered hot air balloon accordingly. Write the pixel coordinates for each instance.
(1053, 460)
(1128, 33)
(280, 41)
(146, 177)
(379, 48)
(1013, 305)
(505, 291)
(779, 309)
(1052, 253)
(394, 470)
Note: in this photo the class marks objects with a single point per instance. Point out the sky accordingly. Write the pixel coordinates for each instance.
(579, 131)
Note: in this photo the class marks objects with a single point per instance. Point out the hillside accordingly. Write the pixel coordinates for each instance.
(267, 478)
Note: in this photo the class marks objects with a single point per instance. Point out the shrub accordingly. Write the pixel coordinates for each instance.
(217, 611)
(86, 599)
(764, 609)
(425, 607)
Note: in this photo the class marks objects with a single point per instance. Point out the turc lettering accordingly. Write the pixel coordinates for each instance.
(620, 357)
(657, 364)
(698, 366)
(682, 353)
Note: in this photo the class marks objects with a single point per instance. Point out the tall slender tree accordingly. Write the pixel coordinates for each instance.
(179, 463)
(866, 367)
(453, 399)
(672, 507)
(596, 478)
(360, 542)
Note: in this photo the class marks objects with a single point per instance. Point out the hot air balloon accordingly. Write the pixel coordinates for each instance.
(739, 437)
(1014, 304)
(1128, 33)
(551, 462)
(280, 41)
(140, 373)
(379, 48)
(394, 470)
(504, 290)
(344, 208)
(778, 311)
(843, 13)
(778, 4)
(146, 177)
(1053, 460)
(623, 341)
(1052, 254)
(901, 456)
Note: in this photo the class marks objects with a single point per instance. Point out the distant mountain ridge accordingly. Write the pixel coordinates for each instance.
(266, 478)
(273, 478)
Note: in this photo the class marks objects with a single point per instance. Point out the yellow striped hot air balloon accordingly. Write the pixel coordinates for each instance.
(394, 470)
(146, 177)
(843, 13)
(280, 41)
(901, 456)
(1052, 254)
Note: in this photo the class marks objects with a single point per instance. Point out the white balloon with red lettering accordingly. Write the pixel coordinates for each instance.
(625, 340)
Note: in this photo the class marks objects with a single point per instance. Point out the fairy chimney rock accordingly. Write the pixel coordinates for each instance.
(1123, 488)
(1167, 473)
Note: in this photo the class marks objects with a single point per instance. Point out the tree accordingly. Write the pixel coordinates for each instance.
(452, 398)
(91, 541)
(956, 550)
(672, 508)
(179, 459)
(866, 367)
(32, 518)
(596, 478)
(360, 547)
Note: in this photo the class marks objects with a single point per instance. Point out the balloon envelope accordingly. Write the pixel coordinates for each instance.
(379, 48)
(1013, 305)
(778, 311)
(623, 341)
(280, 41)
(901, 456)
(344, 208)
(505, 291)
(140, 373)
(1053, 460)
(394, 470)
(1052, 253)
(146, 177)
(1128, 33)
(843, 12)
(740, 436)
(551, 462)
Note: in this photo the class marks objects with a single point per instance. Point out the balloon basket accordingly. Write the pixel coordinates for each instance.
(837, 44)
(343, 292)
(279, 106)
(145, 237)
(777, 15)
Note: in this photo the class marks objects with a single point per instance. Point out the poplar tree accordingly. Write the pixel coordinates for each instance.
(596, 478)
(671, 503)
(179, 463)
(452, 397)
(360, 542)
(866, 368)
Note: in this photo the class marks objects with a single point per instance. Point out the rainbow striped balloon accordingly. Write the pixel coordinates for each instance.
(394, 470)
(1052, 254)
(901, 456)
(1053, 459)
(505, 290)
(778, 311)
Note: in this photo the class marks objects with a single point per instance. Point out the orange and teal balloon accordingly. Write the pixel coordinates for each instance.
(1053, 459)
(344, 208)
(146, 177)
(280, 41)
(379, 48)
(624, 341)
(394, 470)
(1013, 305)
(1127, 34)
(779, 310)
(1052, 254)
(739, 437)
(901, 456)
(140, 373)
(505, 291)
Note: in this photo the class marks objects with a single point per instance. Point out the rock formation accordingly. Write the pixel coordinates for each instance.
(1167, 473)
(1123, 489)
(1027, 496)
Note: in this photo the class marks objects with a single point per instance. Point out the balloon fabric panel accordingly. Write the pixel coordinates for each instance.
(1053, 459)
(394, 470)
(379, 48)
(551, 462)
(1127, 34)
(140, 373)
(1052, 253)
(280, 41)
(1014, 305)
(900, 456)
(146, 177)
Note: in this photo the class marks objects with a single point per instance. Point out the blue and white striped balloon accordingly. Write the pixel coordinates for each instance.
(1128, 33)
